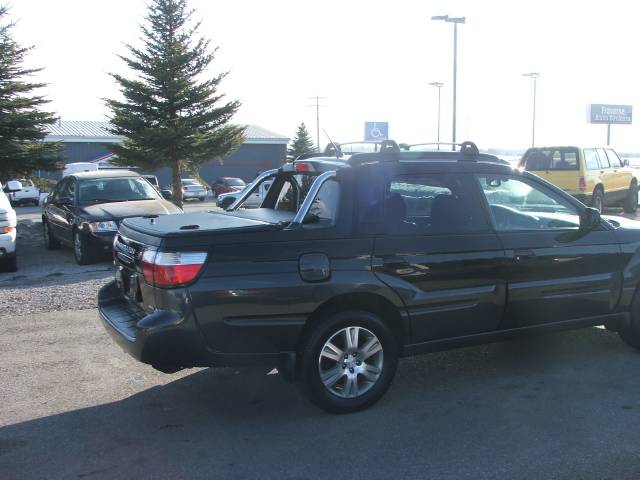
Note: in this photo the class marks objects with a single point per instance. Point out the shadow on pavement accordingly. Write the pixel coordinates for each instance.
(555, 406)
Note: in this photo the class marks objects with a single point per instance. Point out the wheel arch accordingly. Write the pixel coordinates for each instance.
(364, 301)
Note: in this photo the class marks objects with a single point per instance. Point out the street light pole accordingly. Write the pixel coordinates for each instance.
(317, 105)
(455, 21)
(534, 76)
(438, 85)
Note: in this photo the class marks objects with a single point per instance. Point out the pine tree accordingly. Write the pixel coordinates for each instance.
(22, 122)
(300, 144)
(172, 115)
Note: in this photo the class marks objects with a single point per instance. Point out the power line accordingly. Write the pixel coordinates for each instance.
(317, 105)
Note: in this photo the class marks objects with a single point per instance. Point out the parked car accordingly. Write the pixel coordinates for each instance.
(595, 176)
(153, 180)
(8, 224)
(224, 200)
(349, 265)
(226, 185)
(192, 189)
(29, 193)
(85, 209)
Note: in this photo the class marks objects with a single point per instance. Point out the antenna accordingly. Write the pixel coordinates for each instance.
(335, 147)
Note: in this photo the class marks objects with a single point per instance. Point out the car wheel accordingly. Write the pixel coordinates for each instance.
(631, 201)
(226, 203)
(630, 331)
(597, 201)
(50, 242)
(201, 199)
(81, 249)
(348, 361)
(10, 263)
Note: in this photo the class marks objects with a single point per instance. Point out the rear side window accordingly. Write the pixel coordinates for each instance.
(604, 161)
(433, 204)
(591, 159)
(537, 159)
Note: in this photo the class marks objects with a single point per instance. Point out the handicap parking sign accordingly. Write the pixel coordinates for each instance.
(376, 131)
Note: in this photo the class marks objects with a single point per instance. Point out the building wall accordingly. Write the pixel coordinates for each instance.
(246, 162)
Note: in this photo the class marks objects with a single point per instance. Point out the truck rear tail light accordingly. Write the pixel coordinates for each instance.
(582, 184)
(303, 167)
(171, 269)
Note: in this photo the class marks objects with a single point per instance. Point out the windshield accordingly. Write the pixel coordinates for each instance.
(106, 190)
(235, 182)
(551, 159)
(189, 182)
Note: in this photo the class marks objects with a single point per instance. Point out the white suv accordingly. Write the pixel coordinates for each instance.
(8, 230)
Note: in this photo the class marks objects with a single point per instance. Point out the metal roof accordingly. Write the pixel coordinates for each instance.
(71, 131)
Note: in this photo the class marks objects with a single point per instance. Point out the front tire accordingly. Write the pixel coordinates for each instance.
(10, 263)
(348, 361)
(81, 249)
(201, 199)
(50, 242)
(631, 201)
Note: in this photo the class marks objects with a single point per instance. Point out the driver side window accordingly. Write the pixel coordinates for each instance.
(518, 205)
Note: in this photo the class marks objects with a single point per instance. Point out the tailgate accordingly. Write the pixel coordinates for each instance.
(566, 180)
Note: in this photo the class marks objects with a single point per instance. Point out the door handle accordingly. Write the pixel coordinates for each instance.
(521, 255)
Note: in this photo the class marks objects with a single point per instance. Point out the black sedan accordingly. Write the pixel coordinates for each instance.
(85, 209)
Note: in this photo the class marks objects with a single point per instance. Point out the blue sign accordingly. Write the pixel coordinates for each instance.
(611, 114)
(376, 131)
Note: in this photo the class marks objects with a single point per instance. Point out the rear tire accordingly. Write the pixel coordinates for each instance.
(631, 201)
(630, 332)
(81, 249)
(348, 361)
(50, 242)
(597, 201)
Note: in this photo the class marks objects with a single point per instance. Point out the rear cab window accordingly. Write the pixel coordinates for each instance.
(561, 158)
(432, 204)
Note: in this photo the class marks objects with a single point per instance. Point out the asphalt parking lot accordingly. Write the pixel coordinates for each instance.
(73, 405)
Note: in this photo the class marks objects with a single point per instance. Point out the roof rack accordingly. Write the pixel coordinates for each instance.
(467, 147)
(381, 146)
(468, 151)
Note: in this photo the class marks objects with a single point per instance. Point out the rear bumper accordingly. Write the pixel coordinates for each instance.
(168, 338)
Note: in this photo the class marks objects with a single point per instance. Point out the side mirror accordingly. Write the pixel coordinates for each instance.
(626, 162)
(590, 219)
(14, 186)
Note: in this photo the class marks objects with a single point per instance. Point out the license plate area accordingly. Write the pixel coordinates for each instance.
(129, 284)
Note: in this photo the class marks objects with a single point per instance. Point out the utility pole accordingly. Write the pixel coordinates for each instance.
(439, 86)
(317, 106)
(455, 21)
(534, 76)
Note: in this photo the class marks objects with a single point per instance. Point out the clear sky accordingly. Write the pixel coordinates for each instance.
(373, 60)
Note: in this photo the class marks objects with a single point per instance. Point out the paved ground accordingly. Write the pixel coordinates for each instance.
(73, 405)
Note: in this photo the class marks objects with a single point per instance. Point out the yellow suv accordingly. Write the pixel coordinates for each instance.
(595, 176)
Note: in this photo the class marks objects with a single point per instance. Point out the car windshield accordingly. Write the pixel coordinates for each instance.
(235, 182)
(189, 182)
(104, 190)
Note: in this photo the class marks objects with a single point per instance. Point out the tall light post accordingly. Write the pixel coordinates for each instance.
(534, 76)
(438, 85)
(455, 21)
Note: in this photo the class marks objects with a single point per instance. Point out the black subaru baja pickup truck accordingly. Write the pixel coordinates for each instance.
(353, 262)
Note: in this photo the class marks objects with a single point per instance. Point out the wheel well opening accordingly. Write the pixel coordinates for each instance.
(367, 302)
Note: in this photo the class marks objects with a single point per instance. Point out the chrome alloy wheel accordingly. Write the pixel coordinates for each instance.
(350, 362)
